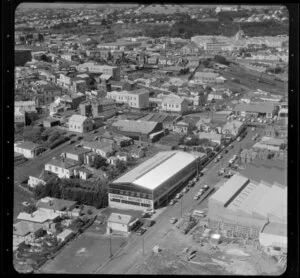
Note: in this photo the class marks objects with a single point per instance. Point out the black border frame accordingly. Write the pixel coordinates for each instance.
(7, 108)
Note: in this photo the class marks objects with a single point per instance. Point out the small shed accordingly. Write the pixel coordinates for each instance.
(65, 235)
(215, 239)
(119, 222)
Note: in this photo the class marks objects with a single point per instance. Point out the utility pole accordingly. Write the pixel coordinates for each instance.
(110, 249)
(143, 246)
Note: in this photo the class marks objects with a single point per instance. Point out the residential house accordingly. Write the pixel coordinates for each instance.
(63, 168)
(19, 117)
(77, 154)
(212, 136)
(118, 140)
(190, 49)
(181, 127)
(105, 149)
(206, 77)
(174, 104)
(43, 178)
(92, 67)
(63, 207)
(27, 149)
(83, 173)
(79, 123)
(215, 96)
(28, 106)
(39, 216)
(233, 128)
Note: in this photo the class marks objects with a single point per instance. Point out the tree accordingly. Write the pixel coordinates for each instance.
(30, 209)
(220, 59)
(30, 118)
(99, 162)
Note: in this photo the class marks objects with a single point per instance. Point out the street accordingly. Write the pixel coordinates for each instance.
(132, 253)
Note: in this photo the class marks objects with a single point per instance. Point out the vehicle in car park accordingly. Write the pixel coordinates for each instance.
(221, 172)
(190, 184)
(219, 156)
(94, 131)
(217, 160)
(150, 223)
(265, 121)
(205, 187)
(173, 220)
(178, 195)
(146, 214)
(252, 120)
(201, 191)
(199, 213)
(195, 179)
(185, 190)
(196, 197)
(225, 151)
(228, 175)
(238, 139)
(72, 141)
(253, 128)
(231, 146)
(141, 231)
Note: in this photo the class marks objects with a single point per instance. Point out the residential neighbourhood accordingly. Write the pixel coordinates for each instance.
(147, 145)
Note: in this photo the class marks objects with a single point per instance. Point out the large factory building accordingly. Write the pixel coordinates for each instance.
(152, 183)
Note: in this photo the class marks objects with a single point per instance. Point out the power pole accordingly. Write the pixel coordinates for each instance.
(143, 246)
(110, 247)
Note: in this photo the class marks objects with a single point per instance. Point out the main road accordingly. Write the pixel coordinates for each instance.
(138, 247)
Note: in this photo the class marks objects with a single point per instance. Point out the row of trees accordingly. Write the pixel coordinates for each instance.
(82, 192)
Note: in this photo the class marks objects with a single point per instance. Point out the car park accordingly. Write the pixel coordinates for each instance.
(141, 231)
(173, 220)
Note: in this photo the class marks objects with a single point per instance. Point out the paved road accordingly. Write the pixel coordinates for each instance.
(132, 253)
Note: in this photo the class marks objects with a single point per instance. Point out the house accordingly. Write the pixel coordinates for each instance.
(181, 127)
(83, 173)
(121, 141)
(215, 96)
(63, 207)
(206, 77)
(24, 231)
(28, 106)
(105, 149)
(174, 104)
(136, 99)
(233, 128)
(119, 223)
(39, 216)
(65, 235)
(43, 178)
(19, 116)
(79, 123)
(138, 152)
(77, 154)
(28, 149)
(214, 137)
(138, 130)
(63, 168)
(191, 49)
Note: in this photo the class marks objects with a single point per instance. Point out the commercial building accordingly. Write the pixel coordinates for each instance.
(136, 99)
(206, 77)
(119, 223)
(152, 183)
(91, 67)
(251, 200)
(27, 149)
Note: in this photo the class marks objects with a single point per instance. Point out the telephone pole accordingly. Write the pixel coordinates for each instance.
(110, 247)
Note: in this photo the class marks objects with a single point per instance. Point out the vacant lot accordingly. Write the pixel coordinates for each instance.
(83, 255)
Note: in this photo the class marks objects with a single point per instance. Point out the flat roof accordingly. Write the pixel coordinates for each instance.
(156, 170)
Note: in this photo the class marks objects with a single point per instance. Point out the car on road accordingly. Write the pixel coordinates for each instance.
(217, 160)
(228, 175)
(173, 220)
(72, 141)
(141, 231)
(94, 131)
(172, 202)
(231, 146)
(253, 128)
(219, 156)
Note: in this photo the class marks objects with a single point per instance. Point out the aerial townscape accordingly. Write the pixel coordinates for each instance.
(150, 139)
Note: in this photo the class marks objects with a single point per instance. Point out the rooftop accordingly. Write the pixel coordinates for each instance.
(27, 145)
(39, 216)
(144, 127)
(119, 218)
(157, 169)
(23, 228)
(54, 204)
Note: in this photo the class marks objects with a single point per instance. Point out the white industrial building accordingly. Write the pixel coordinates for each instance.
(152, 183)
(119, 222)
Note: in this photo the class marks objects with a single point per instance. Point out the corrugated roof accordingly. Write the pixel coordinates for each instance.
(144, 127)
(230, 187)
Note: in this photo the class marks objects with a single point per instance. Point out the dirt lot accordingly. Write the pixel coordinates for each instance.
(227, 260)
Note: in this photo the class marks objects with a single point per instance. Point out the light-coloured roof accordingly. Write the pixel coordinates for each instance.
(119, 218)
(104, 146)
(257, 107)
(230, 187)
(156, 170)
(210, 136)
(173, 100)
(54, 204)
(27, 145)
(39, 216)
(206, 74)
(78, 119)
(65, 233)
(63, 163)
(23, 228)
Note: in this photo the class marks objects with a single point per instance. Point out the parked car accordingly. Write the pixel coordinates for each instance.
(94, 131)
(72, 141)
(221, 172)
(216, 160)
(253, 128)
(219, 156)
(172, 202)
(196, 197)
(141, 231)
(205, 187)
(150, 223)
(185, 190)
(238, 139)
(173, 220)
(225, 151)
(178, 195)
(190, 184)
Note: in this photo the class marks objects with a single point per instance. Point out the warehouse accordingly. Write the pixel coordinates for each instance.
(267, 110)
(152, 183)
(249, 201)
